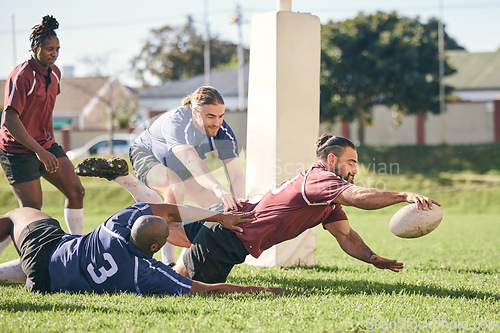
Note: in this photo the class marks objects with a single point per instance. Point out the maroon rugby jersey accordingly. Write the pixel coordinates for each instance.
(27, 92)
(292, 207)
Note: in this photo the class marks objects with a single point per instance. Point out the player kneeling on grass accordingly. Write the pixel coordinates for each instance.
(315, 196)
(117, 256)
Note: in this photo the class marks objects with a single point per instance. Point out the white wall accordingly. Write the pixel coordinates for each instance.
(463, 123)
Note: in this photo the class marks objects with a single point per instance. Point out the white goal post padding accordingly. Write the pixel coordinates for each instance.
(283, 115)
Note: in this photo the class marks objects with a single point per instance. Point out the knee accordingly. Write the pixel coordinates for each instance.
(32, 203)
(76, 193)
(177, 188)
(5, 228)
(175, 192)
(172, 194)
(181, 269)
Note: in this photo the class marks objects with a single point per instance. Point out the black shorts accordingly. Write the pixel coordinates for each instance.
(213, 253)
(25, 167)
(143, 160)
(36, 244)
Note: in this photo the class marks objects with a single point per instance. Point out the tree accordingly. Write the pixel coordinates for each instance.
(98, 64)
(380, 59)
(120, 105)
(417, 90)
(173, 53)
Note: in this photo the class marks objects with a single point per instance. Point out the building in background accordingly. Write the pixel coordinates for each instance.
(85, 102)
(84, 107)
(472, 118)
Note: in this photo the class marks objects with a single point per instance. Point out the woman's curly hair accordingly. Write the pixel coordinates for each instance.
(43, 30)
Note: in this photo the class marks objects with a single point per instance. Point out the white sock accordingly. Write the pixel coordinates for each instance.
(5, 243)
(180, 260)
(12, 272)
(139, 191)
(168, 253)
(74, 220)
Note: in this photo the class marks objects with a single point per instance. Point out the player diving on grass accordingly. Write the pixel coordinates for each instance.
(315, 196)
(117, 256)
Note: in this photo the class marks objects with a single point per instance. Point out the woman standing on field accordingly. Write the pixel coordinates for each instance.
(28, 150)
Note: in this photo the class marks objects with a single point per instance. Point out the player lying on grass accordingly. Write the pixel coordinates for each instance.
(116, 257)
(315, 196)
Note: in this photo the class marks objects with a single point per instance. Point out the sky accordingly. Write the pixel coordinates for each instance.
(112, 32)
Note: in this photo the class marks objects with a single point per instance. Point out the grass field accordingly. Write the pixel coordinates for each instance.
(450, 281)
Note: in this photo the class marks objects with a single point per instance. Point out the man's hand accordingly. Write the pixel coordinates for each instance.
(275, 290)
(228, 199)
(421, 201)
(49, 161)
(229, 288)
(229, 220)
(383, 263)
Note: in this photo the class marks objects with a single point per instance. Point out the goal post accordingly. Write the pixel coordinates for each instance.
(283, 115)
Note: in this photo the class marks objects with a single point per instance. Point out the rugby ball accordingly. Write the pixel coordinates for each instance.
(410, 222)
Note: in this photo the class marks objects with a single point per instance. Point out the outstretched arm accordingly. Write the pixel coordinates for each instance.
(236, 176)
(192, 161)
(175, 215)
(181, 213)
(372, 198)
(354, 246)
(227, 288)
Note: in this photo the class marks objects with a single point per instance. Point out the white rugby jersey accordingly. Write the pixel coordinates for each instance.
(176, 128)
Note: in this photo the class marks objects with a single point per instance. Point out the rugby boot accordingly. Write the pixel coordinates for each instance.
(108, 168)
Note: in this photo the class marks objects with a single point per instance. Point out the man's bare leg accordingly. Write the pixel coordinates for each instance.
(142, 193)
(139, 191)
(179, 265)
(12, 272)
(117, 169)
(4, 244)
(12, 223)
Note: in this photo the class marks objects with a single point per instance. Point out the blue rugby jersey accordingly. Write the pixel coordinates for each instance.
(176, 128)
(106, 261)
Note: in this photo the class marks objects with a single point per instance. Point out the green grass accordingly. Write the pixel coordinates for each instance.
(451, 276)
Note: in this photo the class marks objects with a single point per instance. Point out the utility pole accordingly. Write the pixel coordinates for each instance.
(14, 39)
(442, 102)
(241, 61)
(206, 52)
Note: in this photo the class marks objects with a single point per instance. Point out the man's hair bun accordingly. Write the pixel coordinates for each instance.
(322, 139)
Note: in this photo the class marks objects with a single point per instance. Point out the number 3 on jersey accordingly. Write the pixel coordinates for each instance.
(99, 275)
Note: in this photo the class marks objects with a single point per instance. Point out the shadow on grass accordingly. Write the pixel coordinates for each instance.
(446, 269)
(14, 298)
(302, 285)
(478, 271)
(362, 287)
(14, 306)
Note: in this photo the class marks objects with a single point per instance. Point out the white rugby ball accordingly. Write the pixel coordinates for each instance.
(410, 222)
